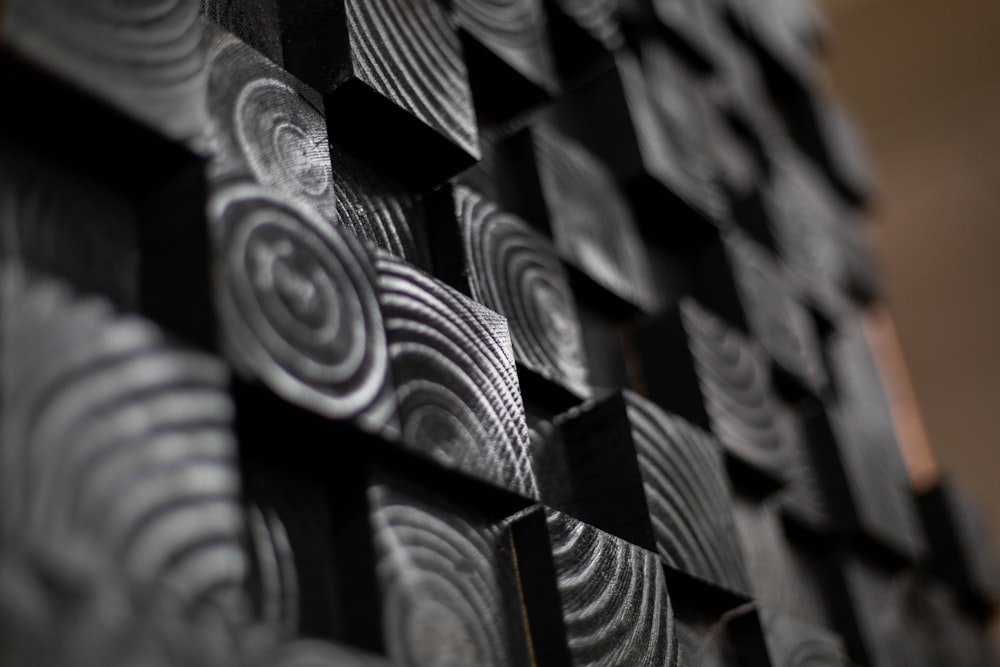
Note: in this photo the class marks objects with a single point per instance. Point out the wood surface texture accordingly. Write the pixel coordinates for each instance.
(448, 333)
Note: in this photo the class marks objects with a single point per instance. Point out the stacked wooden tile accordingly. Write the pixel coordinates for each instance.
(450, 332)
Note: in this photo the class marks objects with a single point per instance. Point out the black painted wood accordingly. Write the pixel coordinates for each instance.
(146, 59)
(455, 377)
(793, 643)
(689, 497)
(119, 459)
(266, 125)
(960, 547)
(776, 319)
(447, 581)
(256, 22)
(705, 371)
(514, 270)
(694, 171)
(378, 210)
(506, 48)
(298, 304)
(883, 500)
(787, 576)
(394, 81)
(590, 220)
(614, 598)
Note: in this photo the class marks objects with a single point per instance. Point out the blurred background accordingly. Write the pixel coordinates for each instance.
(922, 80)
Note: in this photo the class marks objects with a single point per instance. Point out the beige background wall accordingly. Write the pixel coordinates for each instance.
(922, 78)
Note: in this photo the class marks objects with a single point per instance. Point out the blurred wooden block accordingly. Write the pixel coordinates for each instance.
(794, 643)
(776, 319)
(119, 462)
(447, 580)
(787, 577)
(703, 370)
(298, 306)
(142, 222)
(686, 31)
(590, 220)
(708, 639)
(380, 211)
(693, 171)
(883, 501)
(689, 497)
(393, 79)
(146, 60)
(612, 595)
(455, 375)
(506, 48)
(514, 270)
(614, 116)
(961, 548)
(584, 35)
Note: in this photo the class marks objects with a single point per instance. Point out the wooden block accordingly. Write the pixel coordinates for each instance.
(884, 630)
(689, 497)
(778, 322)
(69, 226)
(455, 376)
(298, 306)
(514, 270)
(380, 211)
(709, 639)
(883, 500)
(256, 22)
(700, 368)
(267, 126)
(584, 35)
(301, 652)
(961, 550)
(693, 171)
(787, 577)
(508, 176)
(394, 81)
(614, 116)
(595, 475)
(146, 59)
(447, 582)
(119, 461)
(951, 635)
(507, 51)
(614, 597)
(591, 223)
(686, 31)
(793, 643)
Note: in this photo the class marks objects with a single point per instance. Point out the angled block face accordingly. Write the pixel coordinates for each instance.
(68, 225)
(456, 379)
(394, 81)
(378, 210)
(515, 271)
(298, 306)
(793, 643)
(592, 225)
(118, 460)
(786, 577)
(614, 597)
(601, 19)
(883, 499)
(145, 58)
(778, 322)
(694, 172)
(736, 389)
(448, 586)
(690, 502)
(508, 54)
(267, 126)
